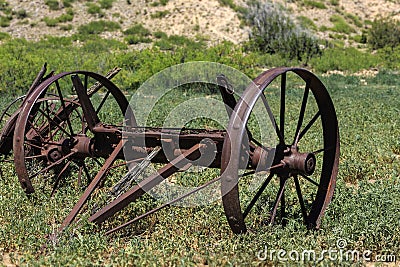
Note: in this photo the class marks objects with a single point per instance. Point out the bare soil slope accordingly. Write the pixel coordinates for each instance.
(207, 18)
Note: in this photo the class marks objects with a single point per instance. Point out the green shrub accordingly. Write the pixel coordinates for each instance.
(135, 39)
(5, 8)
(3, 5)
(50, 22)
(274, 32)
(68, 3)
(137, 29)
(314, 4)
(159, 3)
(163, 44)
(106, 4)
(21, 14)
(159, 14)
(94, 9)
(65, 18)
(228, 3)
(160, 35)
(361, 38)
(175, 42)
(340, 25)
(307, 23)
(344, 59)
(52, 4)
(96, 27)
(4, 35)
(356, 20)
(66, 27)
(4, 21)
(334, 2)
(384, 32)
(137, 34)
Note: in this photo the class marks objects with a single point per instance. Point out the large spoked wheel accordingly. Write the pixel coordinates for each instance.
(299, 172)
(52, 134)
(7, 124)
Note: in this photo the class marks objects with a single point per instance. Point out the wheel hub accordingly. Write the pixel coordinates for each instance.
(292, 161)
(299, 162)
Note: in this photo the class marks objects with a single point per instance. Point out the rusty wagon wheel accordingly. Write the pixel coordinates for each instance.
(7, 123)
(10, 114)
(53, 132)
(305, 155)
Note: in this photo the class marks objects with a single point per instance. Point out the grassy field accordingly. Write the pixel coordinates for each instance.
(363, 216)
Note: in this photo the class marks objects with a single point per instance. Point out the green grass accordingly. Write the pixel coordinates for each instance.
(363, 211)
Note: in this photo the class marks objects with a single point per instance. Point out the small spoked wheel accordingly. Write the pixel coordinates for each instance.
(52, 133)
(295, 171)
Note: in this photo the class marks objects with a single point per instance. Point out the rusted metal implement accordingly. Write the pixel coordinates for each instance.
(58, 133)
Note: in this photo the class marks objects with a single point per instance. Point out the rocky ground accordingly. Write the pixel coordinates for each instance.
(207, 18)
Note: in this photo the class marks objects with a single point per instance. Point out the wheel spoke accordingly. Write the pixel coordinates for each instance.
(282, 110)
(48, 112)
(59, 178)
(86, 171)
(35, 130)
(309, 179)
(31, 144)
(54, 122)
(257, 195)
(102, 102)
(52, 165)
(272, 118)
(164, 205)
(323, 150)
(64, 107)
(301, 200)
(309, 125)
(282, 182)
(35, 157)
(277, 201)
(301, 115)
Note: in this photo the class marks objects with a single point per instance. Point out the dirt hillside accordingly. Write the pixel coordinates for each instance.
(207, 18)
